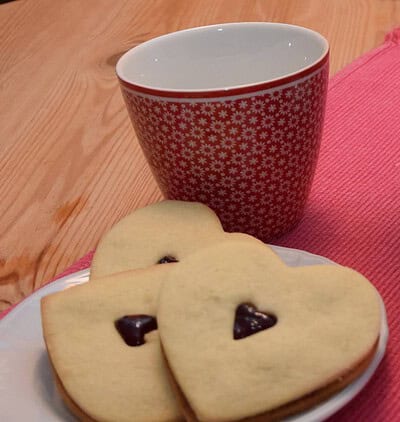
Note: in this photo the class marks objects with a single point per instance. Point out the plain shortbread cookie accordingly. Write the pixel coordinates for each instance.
(142, 238)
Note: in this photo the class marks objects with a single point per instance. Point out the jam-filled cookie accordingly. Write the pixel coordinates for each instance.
(103, 345)
(159, 233)
(247, 338)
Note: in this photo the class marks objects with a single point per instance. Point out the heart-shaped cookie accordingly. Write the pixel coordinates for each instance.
(326, 332)
(100, 376)
(159, 233)
(92, 332)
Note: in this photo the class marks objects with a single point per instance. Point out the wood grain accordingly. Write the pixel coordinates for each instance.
(70, 165)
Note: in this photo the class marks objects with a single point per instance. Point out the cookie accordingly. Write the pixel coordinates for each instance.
(163, 231)
(247, 338)
(103, 371)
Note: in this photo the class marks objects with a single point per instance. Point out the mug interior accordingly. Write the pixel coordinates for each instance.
(220, 57)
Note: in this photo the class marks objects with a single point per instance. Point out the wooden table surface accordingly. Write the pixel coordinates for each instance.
(70, 165)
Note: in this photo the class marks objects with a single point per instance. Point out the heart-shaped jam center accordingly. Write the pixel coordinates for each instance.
(167, 259)
(134, 327)
(249, 320)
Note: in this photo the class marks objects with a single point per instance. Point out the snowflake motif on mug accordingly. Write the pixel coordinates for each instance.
(250, 157)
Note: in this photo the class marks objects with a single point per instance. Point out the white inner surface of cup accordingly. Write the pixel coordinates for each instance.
(222, 56)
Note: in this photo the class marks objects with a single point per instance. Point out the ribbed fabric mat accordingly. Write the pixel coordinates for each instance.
(353, 212)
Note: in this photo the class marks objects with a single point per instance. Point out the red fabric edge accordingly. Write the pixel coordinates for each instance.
(391, 39)
(82, 264)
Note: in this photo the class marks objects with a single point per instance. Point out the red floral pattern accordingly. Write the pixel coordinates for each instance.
(251, 158)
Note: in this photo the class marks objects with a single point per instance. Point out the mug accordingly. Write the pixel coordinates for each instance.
(231, 115)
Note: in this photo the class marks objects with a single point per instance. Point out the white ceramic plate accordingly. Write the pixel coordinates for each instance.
(27, 392)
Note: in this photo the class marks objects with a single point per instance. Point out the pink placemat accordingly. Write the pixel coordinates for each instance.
(354, 208)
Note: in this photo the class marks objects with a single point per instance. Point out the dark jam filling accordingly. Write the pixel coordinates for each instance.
(167, 259)
(133, 328)
(249, 320)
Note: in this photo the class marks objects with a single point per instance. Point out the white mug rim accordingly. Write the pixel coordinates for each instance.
(222, 91)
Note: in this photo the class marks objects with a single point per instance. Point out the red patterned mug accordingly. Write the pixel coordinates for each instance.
(231, 115)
